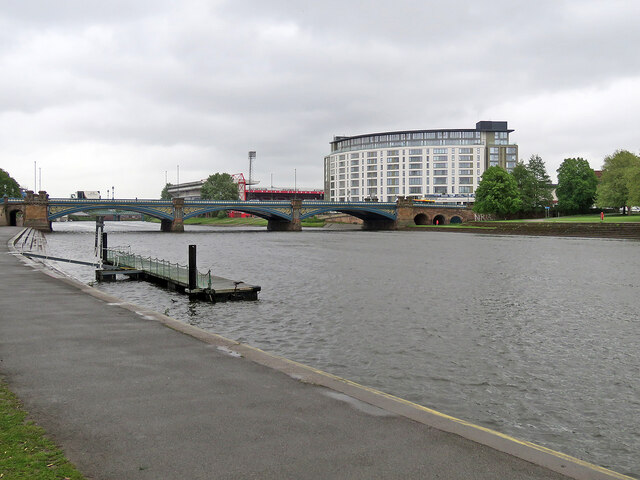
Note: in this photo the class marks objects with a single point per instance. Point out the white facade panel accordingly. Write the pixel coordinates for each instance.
(428, 163)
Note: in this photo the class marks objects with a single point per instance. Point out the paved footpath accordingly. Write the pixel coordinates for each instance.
(132, 394)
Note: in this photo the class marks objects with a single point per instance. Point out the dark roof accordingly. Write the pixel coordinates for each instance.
(482, 126)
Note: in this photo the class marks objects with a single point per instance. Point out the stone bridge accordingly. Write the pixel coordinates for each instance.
(39, 211)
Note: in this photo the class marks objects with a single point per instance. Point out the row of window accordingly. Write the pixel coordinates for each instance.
(442, 171)
(394, 164)
(392, 161)
(374, 192)
(419, 151)
(396, 181)
(412, 166)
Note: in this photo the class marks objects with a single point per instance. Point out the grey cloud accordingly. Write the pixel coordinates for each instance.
(283, 77)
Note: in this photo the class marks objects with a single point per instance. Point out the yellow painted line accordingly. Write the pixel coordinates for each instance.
(417, 406)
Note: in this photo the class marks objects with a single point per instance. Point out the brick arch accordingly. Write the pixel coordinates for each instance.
(11, 215)
(421, 219)
(15, 217)
(414, 214)
(439, 219)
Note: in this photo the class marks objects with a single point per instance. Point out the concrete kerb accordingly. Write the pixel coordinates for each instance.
(536, 454)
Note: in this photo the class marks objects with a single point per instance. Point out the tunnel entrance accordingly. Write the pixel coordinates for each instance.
(455, 219)
(421, 219)
(439, 220)
(15, 218)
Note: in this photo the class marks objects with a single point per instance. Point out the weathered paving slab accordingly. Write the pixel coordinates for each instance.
(128, 397)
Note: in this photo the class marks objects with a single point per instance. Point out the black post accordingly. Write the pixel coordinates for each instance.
(104, 247)
(193, 270)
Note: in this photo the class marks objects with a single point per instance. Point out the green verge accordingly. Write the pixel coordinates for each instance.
(608, 218)
(591, 218)
(25, 452)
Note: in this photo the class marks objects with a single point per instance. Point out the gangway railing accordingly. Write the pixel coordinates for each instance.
(172, 272)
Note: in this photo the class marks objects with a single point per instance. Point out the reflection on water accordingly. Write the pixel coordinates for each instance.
(536, 337)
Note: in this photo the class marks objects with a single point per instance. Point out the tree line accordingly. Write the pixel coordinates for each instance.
(619, 185)
(528, 190)
(219, 186)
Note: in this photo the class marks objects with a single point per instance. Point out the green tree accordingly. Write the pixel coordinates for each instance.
(526, 183)
(577, 185)
(165, 195)
(613, 189)
(633, 184)
(497, 193)
(219, 186)
(542, 189)
(8, 186)
(534, 184)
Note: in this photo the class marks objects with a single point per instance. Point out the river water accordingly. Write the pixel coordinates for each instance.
(535, 337)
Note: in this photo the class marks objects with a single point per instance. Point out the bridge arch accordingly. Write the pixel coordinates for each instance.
(57, 211)
(268, 213)
(364, 210)
(374, 215)
(455, 219)
(421, 219)
(439, 220)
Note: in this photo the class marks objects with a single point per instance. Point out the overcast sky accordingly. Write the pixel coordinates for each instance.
(120, 92)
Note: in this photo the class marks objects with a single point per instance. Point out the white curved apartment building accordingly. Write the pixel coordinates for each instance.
(442, 164)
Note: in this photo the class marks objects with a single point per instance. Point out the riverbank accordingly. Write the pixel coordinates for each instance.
(630, 231)
(127, 396)
(614, 227)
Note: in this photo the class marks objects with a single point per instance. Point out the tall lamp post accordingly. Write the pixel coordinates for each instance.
(252, 157)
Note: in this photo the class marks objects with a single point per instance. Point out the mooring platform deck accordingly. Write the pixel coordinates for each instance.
(222, 289)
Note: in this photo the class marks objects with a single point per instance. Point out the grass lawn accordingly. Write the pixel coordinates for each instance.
(590, 218)
(608, 218)
(24, 450)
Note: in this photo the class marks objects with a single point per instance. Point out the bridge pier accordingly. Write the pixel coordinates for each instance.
(177, 224)
(36, 213)
(293, 225)
(404, 217)
(379, 224)
(405, 212)
(276, 225)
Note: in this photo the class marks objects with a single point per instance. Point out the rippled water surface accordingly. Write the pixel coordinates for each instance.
(536, 337)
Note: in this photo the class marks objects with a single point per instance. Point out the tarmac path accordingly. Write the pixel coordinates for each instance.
(132, 394)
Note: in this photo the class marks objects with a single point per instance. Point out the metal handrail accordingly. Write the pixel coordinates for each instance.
(160, 268)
